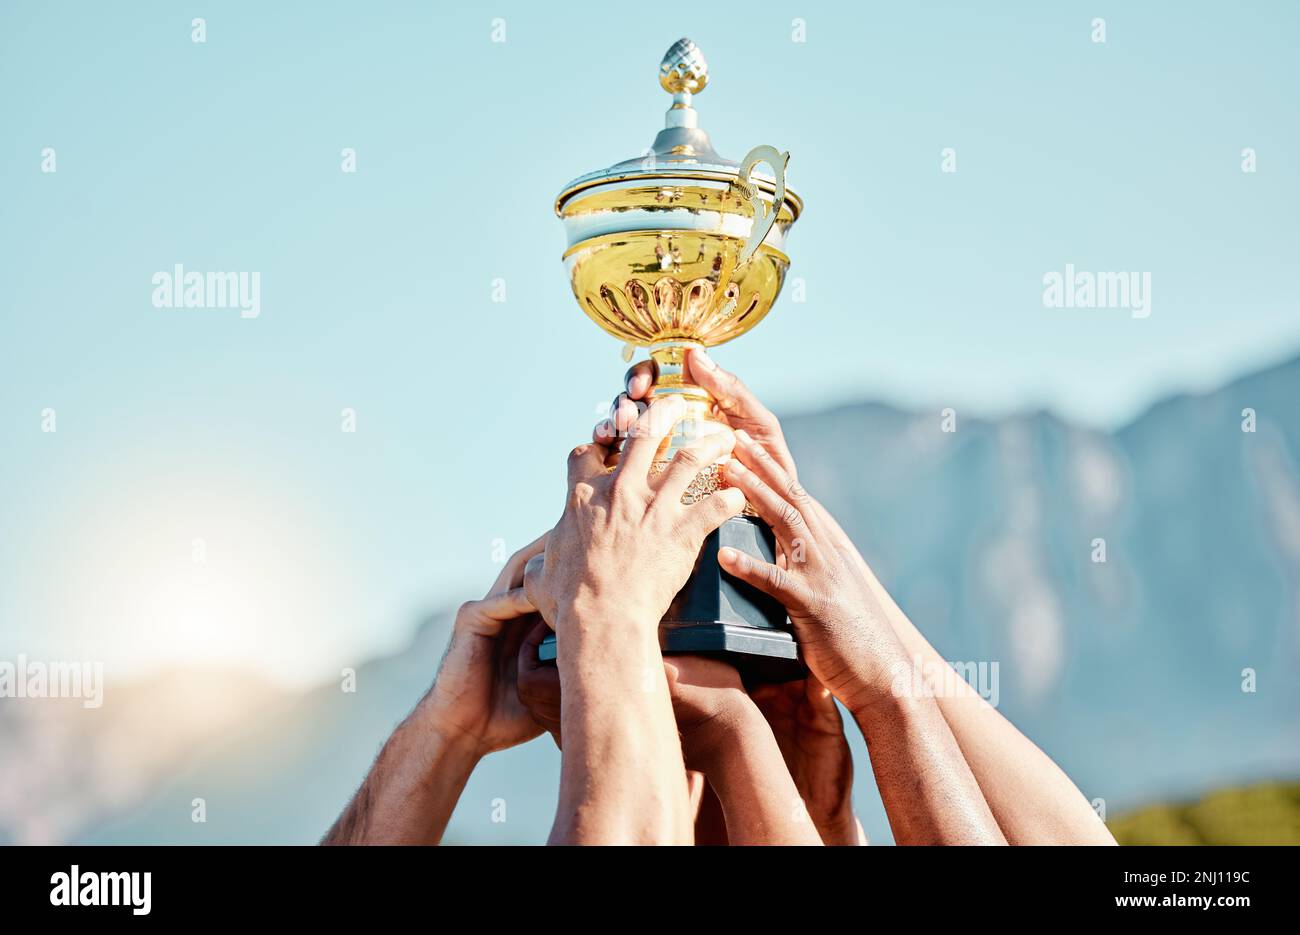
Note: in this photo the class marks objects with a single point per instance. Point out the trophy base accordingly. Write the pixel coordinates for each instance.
(718, 615)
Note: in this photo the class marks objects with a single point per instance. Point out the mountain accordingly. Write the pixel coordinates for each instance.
(1130, 671)
(64, 766)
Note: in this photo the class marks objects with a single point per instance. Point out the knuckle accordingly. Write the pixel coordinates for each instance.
(795, 493)
(578, 453)
(513, 568)
(688, 459)
(729, 504)
(790, 516)
(625, 489)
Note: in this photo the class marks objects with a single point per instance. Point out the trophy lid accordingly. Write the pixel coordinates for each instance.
(682, 150)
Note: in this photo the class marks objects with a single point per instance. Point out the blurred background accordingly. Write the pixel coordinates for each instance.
(228, 513)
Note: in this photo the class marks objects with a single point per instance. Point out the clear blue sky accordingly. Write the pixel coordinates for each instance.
(923, 288)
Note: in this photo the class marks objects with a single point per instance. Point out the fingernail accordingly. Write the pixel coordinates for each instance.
(728, 556)
(744, 438)
(705, 361)
(639, 383)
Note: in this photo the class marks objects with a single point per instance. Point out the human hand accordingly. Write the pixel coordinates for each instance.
(843, 630)
(626, 544)
(474, 700)
(539, 683)
(725, 737)
(709, 701)
(735, 404)
(856, 617)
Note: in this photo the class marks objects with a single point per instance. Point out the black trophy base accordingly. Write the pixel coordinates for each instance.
(718, 615)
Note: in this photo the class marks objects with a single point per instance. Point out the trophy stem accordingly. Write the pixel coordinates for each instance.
(699, 420)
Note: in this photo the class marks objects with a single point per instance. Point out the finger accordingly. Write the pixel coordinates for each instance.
(533, 580)
(730, 392)
(585, 462)
(528, 660)
(639, 378)
(512, 575)
(738, 403)
(765, 576)
(757, 458)
(647, 437)
(708, 514)
(604, 433)
(611, 431)
(511, 635)
(688, 462)
(488, 616)
(625, 412)
(506, 606)
(538, 684)
(786, 520)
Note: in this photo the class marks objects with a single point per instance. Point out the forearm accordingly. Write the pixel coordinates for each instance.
(1032, 798)
(840, 827)
(929, 792)
(743, 763)
(411, 790)
(622, 777)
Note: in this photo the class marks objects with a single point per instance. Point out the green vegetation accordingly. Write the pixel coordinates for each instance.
(1268, 813)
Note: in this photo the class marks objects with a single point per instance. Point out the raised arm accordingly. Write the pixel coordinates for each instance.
(725, 737)
(810, 732)
(472, 709)
(623, 548)
(929, 792)
(1033, 800)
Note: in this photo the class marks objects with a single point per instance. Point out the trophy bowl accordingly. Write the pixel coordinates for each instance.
(676, 283)
(677, 248)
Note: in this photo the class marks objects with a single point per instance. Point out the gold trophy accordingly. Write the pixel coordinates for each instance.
(680, 248)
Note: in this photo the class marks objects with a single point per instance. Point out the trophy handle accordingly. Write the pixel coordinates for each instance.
(764, 217)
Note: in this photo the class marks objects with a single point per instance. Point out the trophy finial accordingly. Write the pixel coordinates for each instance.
(683, 68)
